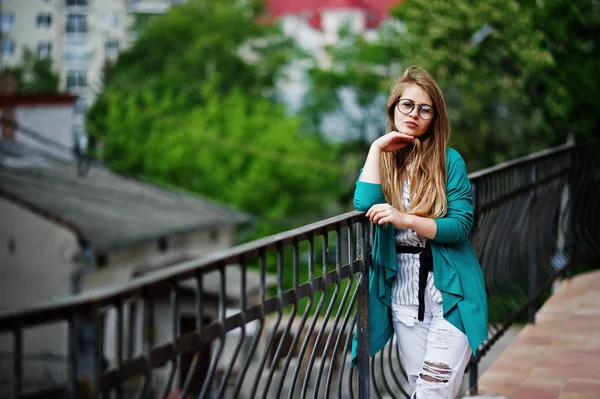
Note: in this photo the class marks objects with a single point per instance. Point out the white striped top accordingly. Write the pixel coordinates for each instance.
(405, 290)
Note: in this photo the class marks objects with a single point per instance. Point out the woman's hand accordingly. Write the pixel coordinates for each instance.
(385, 213)
(393, 141)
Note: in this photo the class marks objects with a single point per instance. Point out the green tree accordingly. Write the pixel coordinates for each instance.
(179, 51)
(193, 104)
(488, 59)
(570, 88)
(35, 74)
(241, 150)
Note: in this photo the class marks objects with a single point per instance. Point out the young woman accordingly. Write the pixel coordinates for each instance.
(426, 283)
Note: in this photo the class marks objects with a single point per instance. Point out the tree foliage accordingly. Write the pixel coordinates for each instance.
(34, 74)
(192, 105)
(192, 42)
(570, 89)
(517, 76)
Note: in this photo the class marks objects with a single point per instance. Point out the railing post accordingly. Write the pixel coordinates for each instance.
(570, 207)
(473, 377)
(72, 354)
(473, 365)
(362, 312)
(17, 363)
(89, 348)
(532, 266)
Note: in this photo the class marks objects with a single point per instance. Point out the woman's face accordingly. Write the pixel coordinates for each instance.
(410, 122)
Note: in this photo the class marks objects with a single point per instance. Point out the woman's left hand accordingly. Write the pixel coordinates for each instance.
(385, 213)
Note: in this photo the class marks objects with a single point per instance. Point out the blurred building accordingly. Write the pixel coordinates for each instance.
(79, 35)
(316, 24)
(63, 234)
(327, 17)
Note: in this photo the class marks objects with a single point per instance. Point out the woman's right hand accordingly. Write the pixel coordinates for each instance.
(393, 141)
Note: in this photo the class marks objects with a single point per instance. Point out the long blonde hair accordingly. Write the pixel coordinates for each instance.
(426, 157)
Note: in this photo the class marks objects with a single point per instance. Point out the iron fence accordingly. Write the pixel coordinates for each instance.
(536, 218)
(41, 371)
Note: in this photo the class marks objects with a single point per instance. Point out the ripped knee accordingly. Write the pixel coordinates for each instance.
(435, 373)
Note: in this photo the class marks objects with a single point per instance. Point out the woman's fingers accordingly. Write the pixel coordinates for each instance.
(396, 140)
(378, 213)
(381, 213)
(403, 136)
(385, 219)
(375, 208)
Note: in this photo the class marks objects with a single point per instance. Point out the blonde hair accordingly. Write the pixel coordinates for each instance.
(426, 157)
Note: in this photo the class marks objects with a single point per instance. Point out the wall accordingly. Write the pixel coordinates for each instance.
(25, 33)
(107, 20)
(35, 267)
(121, 265)
(37, 260)
(120, 268)
(51, 121)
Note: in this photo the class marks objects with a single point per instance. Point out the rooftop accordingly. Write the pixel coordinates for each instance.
(376, 10)
(107, 210)
(37, 99)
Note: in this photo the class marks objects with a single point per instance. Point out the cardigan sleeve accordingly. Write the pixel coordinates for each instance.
(454, 227)
(367, 194)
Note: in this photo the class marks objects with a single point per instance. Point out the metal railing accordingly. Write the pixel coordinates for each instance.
(535, 219)
(40, 370)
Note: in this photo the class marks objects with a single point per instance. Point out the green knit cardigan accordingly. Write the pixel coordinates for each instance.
(456, 270)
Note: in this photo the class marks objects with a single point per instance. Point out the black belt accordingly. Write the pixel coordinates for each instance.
(425, 266)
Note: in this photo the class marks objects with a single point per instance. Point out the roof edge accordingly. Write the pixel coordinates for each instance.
(15, 100)
(40, 212)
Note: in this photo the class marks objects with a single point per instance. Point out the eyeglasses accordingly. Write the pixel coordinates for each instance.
(406, 106)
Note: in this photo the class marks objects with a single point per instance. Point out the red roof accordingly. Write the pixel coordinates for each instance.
(377, 10)
(342, 4)
(15, 100)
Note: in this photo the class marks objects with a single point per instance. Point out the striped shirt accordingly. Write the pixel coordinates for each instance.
(405, 290)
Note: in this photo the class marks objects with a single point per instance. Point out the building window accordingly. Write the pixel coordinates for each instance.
(76, 23)
(8, 47)
(76, 79)
(45, 49)
(44, 20)
(214, 235)
(80, 3)
(111, 47)
(76, 53)
(7, 20)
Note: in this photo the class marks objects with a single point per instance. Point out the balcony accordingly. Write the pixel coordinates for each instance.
(535, 221)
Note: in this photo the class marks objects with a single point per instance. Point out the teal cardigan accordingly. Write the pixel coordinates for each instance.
(456, 270)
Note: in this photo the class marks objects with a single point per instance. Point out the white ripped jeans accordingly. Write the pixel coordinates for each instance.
(434, 352)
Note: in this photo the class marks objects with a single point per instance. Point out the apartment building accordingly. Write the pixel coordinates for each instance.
(79, 35)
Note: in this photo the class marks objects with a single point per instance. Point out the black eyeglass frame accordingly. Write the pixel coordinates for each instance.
(419, 109)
